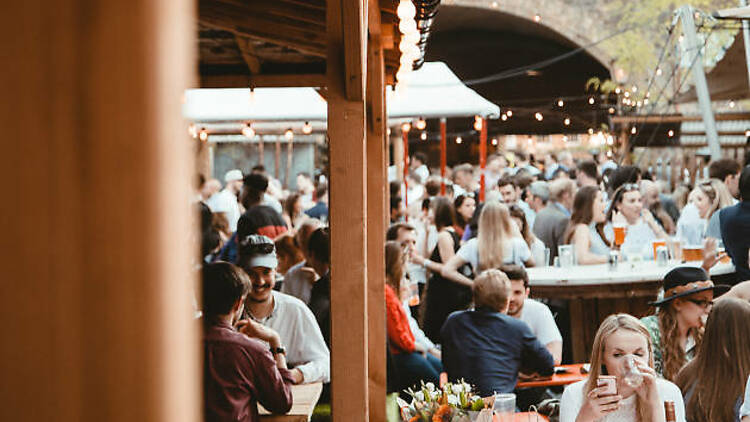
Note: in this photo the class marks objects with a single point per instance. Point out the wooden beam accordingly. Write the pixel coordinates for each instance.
(284, 10)
(377, 214)
(304, 38)
(675, 118)
(263, 81)
(108, 259)
(354, 23)
(247, 51)
(348, 216)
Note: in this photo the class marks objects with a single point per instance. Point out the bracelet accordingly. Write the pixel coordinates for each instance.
(278, 350)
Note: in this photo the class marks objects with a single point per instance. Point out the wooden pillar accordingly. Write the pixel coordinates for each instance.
(398, 156)
(204, 157)
(377, 213)
(277, 159)
(289, 154)
(97, 243)
(482, 157)
(405, 141)
(443, 154)
(261, 153)
(346, 22)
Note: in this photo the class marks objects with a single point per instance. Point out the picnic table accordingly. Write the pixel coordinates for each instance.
(304, 399)
(573, 374)
(596, 291)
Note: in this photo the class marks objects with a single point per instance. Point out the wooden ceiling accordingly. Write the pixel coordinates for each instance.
(275, 42)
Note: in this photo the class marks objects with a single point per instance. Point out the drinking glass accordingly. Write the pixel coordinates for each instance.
(547, 254)
(620, 231)
(632, 376)
(504, 407)
(675, 249)
(565, 252)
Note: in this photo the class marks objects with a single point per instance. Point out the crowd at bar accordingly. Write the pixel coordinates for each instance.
(457, 290)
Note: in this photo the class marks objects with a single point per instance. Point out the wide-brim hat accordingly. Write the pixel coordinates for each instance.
(685, 281)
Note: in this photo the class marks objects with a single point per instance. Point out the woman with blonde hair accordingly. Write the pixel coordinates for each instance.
(713, 382)
(677, 328)
(621, 342)
(498, 242)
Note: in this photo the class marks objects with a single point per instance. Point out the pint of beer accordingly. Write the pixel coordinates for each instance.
(656, 243)
(692, 253)
(619, 234)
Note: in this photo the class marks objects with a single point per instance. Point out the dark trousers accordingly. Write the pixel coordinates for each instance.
(415, 367)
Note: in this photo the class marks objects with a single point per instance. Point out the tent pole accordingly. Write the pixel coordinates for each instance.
(482, 157)
(443, 159)
(405, 137)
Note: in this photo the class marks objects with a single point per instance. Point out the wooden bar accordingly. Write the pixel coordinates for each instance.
(348, 212)
(482, 157)
(97, 259)
(377, 213)
(443, 153)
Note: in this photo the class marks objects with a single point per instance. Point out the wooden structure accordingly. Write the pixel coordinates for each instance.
(305, 397)
(99, 288)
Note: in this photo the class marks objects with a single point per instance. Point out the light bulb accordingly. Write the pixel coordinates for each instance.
(307, 128)
(406, 61)
(658, 71)
(634, 89)
(388, 131)
(538, 116)
(203, 135)
(618, 90)
(423, 136)
(566, 122)
(477, 125)
(494, 141)
(288, 134)
(611, 110)
(411, 37)
(504, 117)
(406, 127)
(627, 94)
(731, 104)
(747, 134)
(494, 4)
(591, 100)
(560, 103)
(248, 131)
(406, 9)
(408, 26)
(591, 131)
(565, 138)
(193, 131)
(633, 130)
(459, 140)
(421, 124)
(670, 133)
(537, 18)
(509, 113)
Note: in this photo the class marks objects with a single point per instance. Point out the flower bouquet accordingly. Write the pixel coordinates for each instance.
(454, 402)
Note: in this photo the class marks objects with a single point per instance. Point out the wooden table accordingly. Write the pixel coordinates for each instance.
(304, 396)
(595, 292)
(574, 374)
(528, 417)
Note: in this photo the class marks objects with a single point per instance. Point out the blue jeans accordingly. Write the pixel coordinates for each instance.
(415, 367)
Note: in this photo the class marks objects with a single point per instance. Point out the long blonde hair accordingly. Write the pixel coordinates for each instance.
(672, 354)
(609, 326)
(494, 230)
(719, 370)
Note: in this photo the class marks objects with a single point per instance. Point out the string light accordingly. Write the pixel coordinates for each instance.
(459, 140)
(633, 130)
(627, 94)
(307, 128)
(560, 103)
(509, 113)
(539, 116)
(388, 131)
(566, 122)
(203, 135)
(288, 134)
(591, 131)
(477, 123)
(406, 127)
(611, 110)
(565, 138)
(670, 133)
(731, 104)
(658, 71)
(423, 136)
(592, 100)
(193, 131)
(537, 18)
(248, 131)
(494, 141)
(421, 124)
(406, 10)
(634, 89)
(504, 117)
(747, 134)
(618, 90)
(494, 4)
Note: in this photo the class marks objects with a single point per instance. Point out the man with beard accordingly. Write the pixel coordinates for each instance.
(298, 330)
(536, 314)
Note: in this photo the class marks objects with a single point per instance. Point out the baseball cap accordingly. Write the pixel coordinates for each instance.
(258, 251)
(233, 175)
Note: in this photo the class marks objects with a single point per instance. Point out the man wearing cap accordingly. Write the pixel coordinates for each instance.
(298, 330)
(226, 200)
(688, 298)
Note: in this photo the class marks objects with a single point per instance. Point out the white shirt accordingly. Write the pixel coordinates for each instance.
(226, 202)
(538, 253)
(745, 409)
(423, 172)
(539, 318)
(516, 252)
(572, 401)
(272, 202)
(419, 335)
(638, 236)
(299, 332)
(297, 282)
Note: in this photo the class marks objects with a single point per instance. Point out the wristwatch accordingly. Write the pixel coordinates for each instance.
(278, 350)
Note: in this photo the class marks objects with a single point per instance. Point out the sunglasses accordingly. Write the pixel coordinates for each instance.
(704, 304)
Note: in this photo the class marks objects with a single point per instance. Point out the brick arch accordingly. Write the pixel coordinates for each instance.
(575, 21)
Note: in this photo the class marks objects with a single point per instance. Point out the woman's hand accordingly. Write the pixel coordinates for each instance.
(710, 256)
(647, 390)
(596, 407)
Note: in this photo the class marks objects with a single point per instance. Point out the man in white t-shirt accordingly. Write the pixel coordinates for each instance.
(536, 314)
(226, 200)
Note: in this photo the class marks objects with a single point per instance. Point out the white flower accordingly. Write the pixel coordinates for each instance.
(435, 394)
(457, 388)
(430, 386)
(419, 396)
(466, 387)
(453, 400)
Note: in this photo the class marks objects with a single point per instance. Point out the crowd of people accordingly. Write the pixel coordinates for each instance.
(457, 290)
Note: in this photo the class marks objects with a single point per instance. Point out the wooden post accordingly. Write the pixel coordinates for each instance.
(405, 139)
(443, 154)
(377, 213)
(98, 279)
(482, 157)
(277, 159)
(346, 22)
(204, 157)
(289, 153)
(261, 156)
